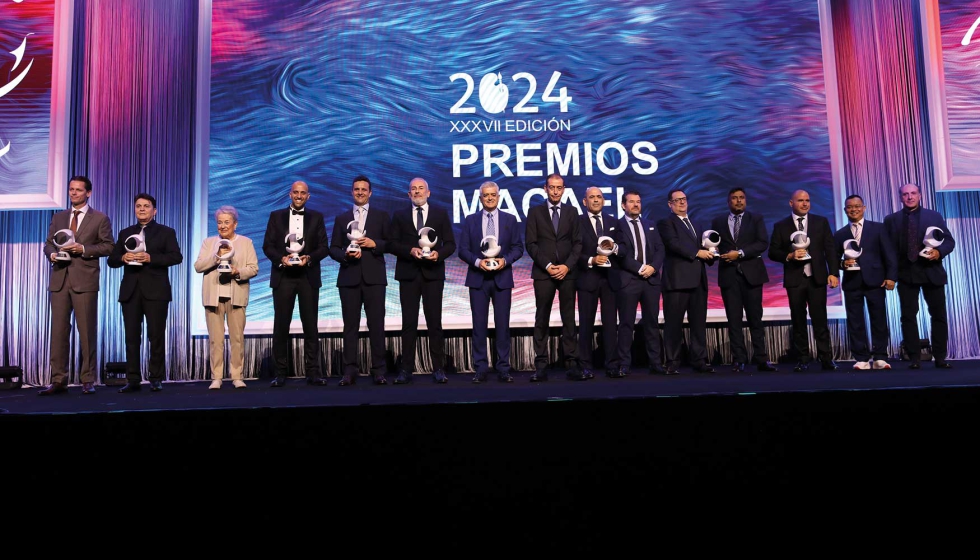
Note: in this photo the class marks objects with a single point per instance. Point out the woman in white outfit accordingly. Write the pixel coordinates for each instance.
(225, 294)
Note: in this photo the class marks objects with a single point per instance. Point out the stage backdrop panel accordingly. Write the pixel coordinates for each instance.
(700, 95)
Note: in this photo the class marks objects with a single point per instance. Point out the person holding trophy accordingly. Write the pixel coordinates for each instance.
(804, 244)
(227, 261)
(295, 243)
(146, 251)
(362, 279)
(77, 238)
(422, 239)
(489, 244)
(922, 240)
(596, 282)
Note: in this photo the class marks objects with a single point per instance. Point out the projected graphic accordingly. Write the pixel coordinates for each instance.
(700, 95)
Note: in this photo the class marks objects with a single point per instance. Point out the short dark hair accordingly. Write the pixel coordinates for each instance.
(670, 195)
(857, 196)
(145, 196)
(360, 178)
(734, 190)
(82, 179)
(629, 192)
(917, 189)
(552, 176)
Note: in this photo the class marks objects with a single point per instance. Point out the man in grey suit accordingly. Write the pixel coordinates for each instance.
(74, 283)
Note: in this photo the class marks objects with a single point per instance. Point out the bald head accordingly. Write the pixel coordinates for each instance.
(800, 202)
(299, 193)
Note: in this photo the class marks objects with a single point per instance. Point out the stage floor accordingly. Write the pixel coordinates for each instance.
(459, 390)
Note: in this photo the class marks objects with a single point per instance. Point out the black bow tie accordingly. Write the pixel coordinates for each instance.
(297, 212)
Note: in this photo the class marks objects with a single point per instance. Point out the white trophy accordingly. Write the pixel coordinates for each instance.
(852, 250)
(293, 246)
(934, 238)
(605, 248)
(800, 240)
(490, 249)
(354, 234)
(427, 240)
(224, 260)
(63, 238)
(710, 240)
(135, 243)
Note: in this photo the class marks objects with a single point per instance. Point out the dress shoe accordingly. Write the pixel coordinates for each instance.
(480, 377)
(53, 389)
(539, 376)
(738, 367)
(862, 365)
(215, 384)
(279, 381)
(318, 381)
(943, 364)
(881, 364)
(766, 366)
(404, 378)
(156, 386)
(587, 373)
(615, 373)
(88, 388)
(915, 365)
(657, 370)
(829, 365)
(576, 375)
(801, 367)
(704, 368)
(348, 379)
(238, 383)
(379, 379)
(505, 377)
(623, 371)
(439, 376)
(130, 388)
(671, 370)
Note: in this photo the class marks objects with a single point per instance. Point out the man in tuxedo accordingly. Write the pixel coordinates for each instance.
(362, 279)
(554, 244)
(741, 276)
(145, 290)
(490, 279)
(866, 277)
(685, 285)
(593, 283)
(806, 277)
(421, 276)
(296, 280)
(920, 270)
(74, 284)
(637, 279)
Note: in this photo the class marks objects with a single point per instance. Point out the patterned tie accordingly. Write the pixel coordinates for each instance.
(800, 221)
(74, 221)
(912, 239)
(856, 231)
(690, 228)
(554, 217)
(738, 224)
(490, 229)
(639, 240)
(598, 226)
(419, 221)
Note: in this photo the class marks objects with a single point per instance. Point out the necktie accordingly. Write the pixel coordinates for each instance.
(738, 224)
(358, 216)
(490, 229)
(419, 222)
(856, 231)
(912, 239)
(554, 217)
(639, 240)
(598, 226)
(74, 220)
(298, 212)
(800, 221)
(690, 228)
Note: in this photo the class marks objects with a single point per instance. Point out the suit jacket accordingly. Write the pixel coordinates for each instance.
(511, 249)
(244, 259)
(151, 280)
(545, 246)
(588, 278)
(823, 251)
(314, 239)
(628, 271)
(95, 233)
(934, 270)
(877, 261)
(404, 237)
(683, 270)
(370, 268)
(753, 240)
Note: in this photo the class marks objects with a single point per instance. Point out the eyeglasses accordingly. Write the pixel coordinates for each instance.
(682, 199)
(853, 207)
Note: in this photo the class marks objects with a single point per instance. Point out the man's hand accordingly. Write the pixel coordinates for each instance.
(558, 271)
(888, 284)
(285, 261)
(52, 258)
(797, 255)
(933, 254)
(353, 254)
(600, 259)
(848, 263)
(304, 260)
(705, 255)
(647, 271)
(367, 242)
(832, 280)
(434, 255)
(730, 256)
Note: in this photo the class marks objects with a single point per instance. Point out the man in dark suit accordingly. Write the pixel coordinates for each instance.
(554, 244)
(593, 283)
(741, 276)
(637, 279)
(806, 279)
(920, 273)
(421, 276)
(490, 279)
(685, 285)
(145, 290)
(877, 269)
(291, 280)
(74, 284)
(362, 279)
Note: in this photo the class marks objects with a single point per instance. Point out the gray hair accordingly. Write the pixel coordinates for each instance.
(489, 184)
(230, 210)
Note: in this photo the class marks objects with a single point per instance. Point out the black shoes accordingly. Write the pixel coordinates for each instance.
(54, 389)
(943, 364)
(439, 376)
(539, 376)
(801, 367)
(704, 368)
(130, 388)
(766, 366)
(380, 379)
(738, 367)
(480, 377)
(505, 377)
(829, 365)
(404, 378)
(156, 386)
(279, 381)
(348, 379)
(617, 373)
(576, 375)
(319, 381)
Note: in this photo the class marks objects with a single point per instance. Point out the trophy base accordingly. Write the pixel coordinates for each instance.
(426, 253)
(493, 265)
(606, 265)
(806, 257)
(134, 264)
(352, 248)
(224, 269)
(850, 268)
(62, 256)
(290, 260)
